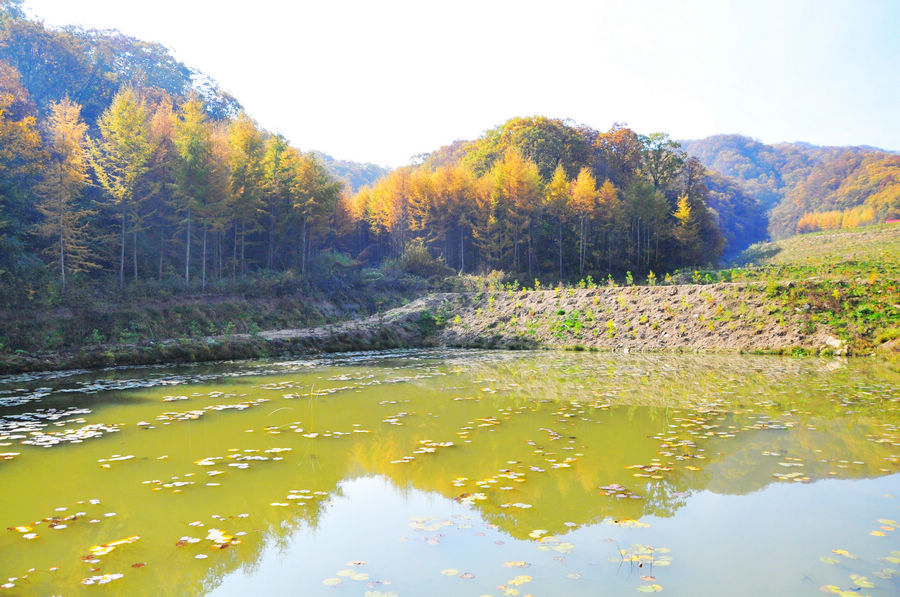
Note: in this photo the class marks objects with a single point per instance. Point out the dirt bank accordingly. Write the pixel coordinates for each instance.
(715, 317)
(688, 317)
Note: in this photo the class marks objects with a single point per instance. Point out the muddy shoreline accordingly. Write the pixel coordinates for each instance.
(696, 318)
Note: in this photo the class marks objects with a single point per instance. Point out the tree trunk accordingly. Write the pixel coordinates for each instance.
(203, 269)
(462, 252)
(530, 252)
(243, 250)
(134, 254)
(187, 253)
(560, 248)
(62, 259)
(271, 242)
(581, 252)
(122, 255)
(234, 253)
(303, 247)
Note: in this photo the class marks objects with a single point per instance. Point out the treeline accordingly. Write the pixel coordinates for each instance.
(118, 164)
(541, 197)
(160, 190)
(795, 179)
(855, 217)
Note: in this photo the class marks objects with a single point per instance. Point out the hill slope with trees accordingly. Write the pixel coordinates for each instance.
(805, 187)
(543, 197)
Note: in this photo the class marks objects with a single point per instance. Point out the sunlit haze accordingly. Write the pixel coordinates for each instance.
(382, 81)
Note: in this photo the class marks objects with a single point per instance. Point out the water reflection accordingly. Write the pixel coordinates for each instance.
(341, 456)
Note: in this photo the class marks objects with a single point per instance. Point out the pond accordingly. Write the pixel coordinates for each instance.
(455, 473)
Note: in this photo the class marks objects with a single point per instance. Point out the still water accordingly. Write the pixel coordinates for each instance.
(454, 473)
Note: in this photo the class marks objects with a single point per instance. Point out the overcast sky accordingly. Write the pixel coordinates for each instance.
(380, 81)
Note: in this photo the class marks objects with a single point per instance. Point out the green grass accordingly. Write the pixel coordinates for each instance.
(868, 245)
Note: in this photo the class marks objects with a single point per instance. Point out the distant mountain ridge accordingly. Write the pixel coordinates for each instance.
(354, 174)
(89, 66)
(794, 179)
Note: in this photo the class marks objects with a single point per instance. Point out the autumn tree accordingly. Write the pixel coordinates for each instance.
(314, 197)
(194, 176)
(120, 158)
(557, 204)
(584, 204)
(619, 153)
(247, 149)
(64, 178)
(608, 207)
(516, 189)
(21, 160)
(160, 181)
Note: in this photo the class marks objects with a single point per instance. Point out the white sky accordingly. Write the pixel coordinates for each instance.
(382, 80)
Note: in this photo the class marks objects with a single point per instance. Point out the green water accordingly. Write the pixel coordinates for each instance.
(455, 473)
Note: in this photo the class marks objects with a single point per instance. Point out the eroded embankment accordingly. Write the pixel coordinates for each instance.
(408, 326)
(686, 317)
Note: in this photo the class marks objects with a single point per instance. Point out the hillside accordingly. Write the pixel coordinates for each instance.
(829, 293)
(89, 67)
(543, 197)
(354, 174)
(794, 179)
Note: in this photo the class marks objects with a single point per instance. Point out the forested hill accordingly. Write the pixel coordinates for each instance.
(546, 197)
(89, 66)
(354, 174)
(806, 187)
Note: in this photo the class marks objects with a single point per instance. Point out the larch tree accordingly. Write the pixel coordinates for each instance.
(558, 205)
(61, 185)
(608, 208)
(584, 203)
(120, 158)
(279, 172)
(160, 180)
(518, 191)
(315, 196)
(194, 175)
(247, 150)
(21, 160)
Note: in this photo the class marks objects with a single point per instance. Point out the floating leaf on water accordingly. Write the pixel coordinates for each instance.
(862, 581)
(101, 580)
(829, 560)
(876, 533)
(650, 588)
(564, 547)
(467, 576)
(360, 576)
(845, 553)
(517, 564)
(520, 580)
(331, 582)
(450, 572)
